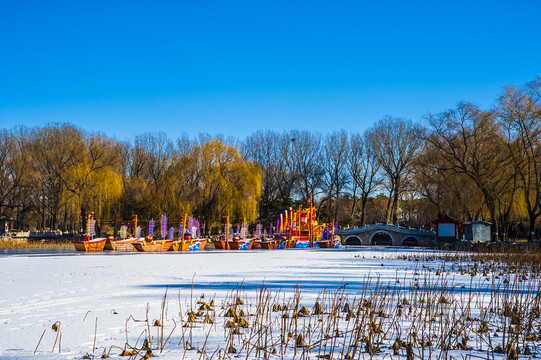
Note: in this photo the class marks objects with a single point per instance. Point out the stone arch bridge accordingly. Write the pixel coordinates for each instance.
(384, 234)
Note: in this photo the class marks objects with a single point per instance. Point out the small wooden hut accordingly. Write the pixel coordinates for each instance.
(477, 231)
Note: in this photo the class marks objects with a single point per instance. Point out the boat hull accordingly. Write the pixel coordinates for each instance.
(328, 244)
(153, 246)
(90, 245)
(220, 245)
(245, 244)
(194, 245)
(120, 245)
(269, 245)
(287, 244)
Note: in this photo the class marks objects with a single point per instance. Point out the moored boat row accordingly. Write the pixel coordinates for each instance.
(185, 242)
(294, 229)
(143, 245)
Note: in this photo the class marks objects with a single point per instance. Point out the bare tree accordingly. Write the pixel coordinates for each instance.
(335, 177)
(153, 156)
(305, 161)
(448, 191)
(15, 173)
(364, 172)
(396, 142)
(265, 148)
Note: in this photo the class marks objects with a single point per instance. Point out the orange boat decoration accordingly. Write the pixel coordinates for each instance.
(237, 240)
(294, 229)
(189, 245)
(186, 241)
(125, 242)
(151, 245)
(223, 241)
(89, 243)
(269, 244)
(300, 229)
(119, 245)
(239, 243)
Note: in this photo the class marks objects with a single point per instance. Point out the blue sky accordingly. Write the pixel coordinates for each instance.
(233, 67)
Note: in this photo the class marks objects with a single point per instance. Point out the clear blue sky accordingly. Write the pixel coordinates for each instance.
(234, 67)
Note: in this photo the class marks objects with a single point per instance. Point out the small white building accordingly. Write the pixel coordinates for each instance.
(477, 231)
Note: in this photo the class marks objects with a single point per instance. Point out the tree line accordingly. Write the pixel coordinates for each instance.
(466, 162)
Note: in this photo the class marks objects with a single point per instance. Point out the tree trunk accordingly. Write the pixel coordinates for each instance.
(363, 208)
(531, 234)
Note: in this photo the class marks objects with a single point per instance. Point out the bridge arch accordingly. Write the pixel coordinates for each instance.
(353, 240)
(381, 237)
(411, 240)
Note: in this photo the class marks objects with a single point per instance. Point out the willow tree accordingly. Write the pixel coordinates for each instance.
(471, 144)
(223, 183)
(93, 179)
(55, 148)
(519, 112)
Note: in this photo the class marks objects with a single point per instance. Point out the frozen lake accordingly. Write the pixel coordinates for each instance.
(93, 294)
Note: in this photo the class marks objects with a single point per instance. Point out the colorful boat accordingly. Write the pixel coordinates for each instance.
(221, 243)
(269, 244)
(238, 240)
(189, 245)
(150, 245)
(90, 244)
(300, 229)
(287, 243)
(186, 241)
(241, 244)
(120, 245)
(328, 244)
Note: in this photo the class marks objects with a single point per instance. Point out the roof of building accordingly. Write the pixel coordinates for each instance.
(477, 222)
(446, 219)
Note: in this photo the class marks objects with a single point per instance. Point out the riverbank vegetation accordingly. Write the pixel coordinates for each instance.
(466, 162)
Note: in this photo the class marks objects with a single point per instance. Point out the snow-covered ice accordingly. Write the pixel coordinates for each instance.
(92, 295)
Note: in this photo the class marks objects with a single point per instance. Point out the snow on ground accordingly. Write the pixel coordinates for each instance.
(92, 295)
